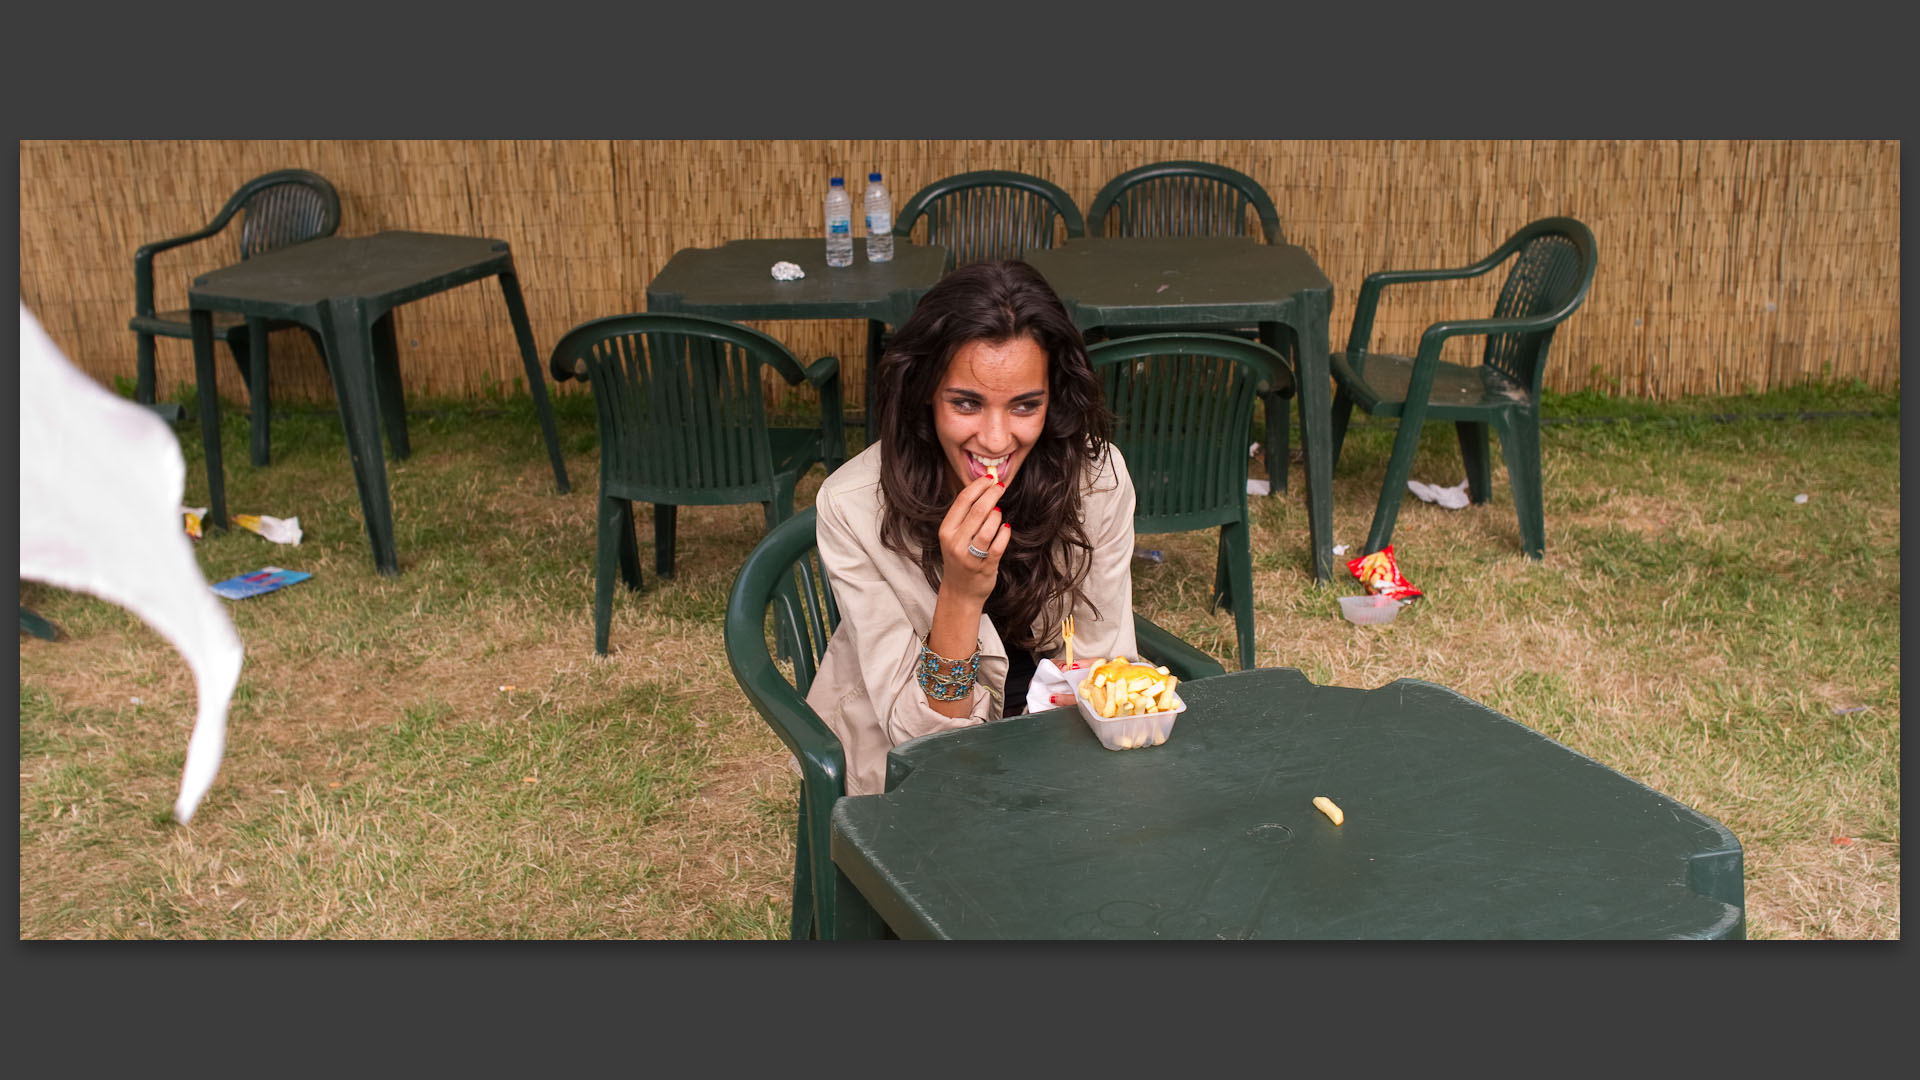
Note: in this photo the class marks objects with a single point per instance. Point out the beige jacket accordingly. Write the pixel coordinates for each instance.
(866, 689)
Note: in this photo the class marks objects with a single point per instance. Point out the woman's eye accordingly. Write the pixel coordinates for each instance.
(1026, 408)
(963, 405)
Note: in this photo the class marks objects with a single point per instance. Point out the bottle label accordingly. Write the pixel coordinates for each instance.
(878, 225)
(841, 226)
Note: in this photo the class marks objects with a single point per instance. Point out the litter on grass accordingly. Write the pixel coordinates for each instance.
(1453, 498)
(1381, 575)
(278, 530)
(264, 580)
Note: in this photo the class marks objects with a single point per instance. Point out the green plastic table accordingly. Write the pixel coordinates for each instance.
(345, 288)
(1459, 824)
(735, 281)
(1143, 282)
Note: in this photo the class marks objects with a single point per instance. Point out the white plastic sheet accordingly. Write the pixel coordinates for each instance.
(100, 486)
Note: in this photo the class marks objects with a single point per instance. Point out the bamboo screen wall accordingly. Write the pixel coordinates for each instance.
(1724, 265)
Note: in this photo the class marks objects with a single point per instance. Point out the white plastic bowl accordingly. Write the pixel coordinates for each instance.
(1130, 732)
(1369, 610)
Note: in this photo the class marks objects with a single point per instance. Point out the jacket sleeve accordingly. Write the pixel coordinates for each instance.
(885, 645)
(1108, 506)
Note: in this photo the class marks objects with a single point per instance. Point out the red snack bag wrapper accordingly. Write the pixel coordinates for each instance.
(1381, 575)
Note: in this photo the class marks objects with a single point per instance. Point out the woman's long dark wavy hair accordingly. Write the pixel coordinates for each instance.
(1049, 554)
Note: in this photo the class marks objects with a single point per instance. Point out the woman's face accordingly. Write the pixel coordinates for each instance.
(990, 408)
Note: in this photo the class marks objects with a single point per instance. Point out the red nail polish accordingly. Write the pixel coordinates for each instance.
(1005, 525)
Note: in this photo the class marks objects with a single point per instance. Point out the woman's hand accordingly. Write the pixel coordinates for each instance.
(973, 519)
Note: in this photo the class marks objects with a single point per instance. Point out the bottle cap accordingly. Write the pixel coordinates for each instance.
(836, 182)
(873, 178)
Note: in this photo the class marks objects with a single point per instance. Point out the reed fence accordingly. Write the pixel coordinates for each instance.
(1725, 266)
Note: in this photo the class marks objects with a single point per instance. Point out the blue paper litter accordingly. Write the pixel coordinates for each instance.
(264, 580)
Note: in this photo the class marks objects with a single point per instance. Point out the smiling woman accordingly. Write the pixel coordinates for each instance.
(991, 507)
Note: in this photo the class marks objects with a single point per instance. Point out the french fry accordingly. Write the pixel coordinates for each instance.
(1325, 806)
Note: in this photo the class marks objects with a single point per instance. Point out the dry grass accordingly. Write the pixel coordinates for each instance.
(440, 754)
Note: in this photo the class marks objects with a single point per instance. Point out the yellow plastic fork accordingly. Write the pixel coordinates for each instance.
(1066, 634)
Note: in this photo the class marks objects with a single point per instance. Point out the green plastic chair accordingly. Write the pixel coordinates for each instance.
(683, 421)
(279, 209)
(781, 604)
(1553, 264)
(1184, 405)
(992, 214)
(1197, 198)
(1183, 198)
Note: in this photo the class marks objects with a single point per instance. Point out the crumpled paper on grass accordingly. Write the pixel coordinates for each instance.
(100, 486)
(278, 530)
(1453, 498)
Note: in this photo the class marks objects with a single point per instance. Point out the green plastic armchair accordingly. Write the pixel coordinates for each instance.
(1183, 404)
(682, 421)
(1553, 265)
(276, 210)
(1197, 198)
(781, 603)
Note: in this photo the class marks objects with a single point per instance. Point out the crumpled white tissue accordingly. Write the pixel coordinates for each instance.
(100, 486)
(1453, 498)
(786, 271)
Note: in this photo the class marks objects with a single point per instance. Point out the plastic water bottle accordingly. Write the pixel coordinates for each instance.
(879, 207)
(839, 224)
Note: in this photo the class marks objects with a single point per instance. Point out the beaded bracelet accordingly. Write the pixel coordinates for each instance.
(947, 680)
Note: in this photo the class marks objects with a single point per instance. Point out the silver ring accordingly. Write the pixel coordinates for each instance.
(976, 552)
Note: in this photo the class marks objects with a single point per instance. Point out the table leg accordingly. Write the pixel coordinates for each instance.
(536, 382)
(876, 339)
(209, 393)
(1316, 424)
(853, 918)
(348, 336)
(259, 392)
(1274, 406)
(143, 373)
(393, 400)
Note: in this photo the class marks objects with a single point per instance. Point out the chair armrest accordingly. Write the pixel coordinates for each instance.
(1372, 285)
(563, 369)
(823, 370)
(143, 266)
(1170, 652)
(143, 258)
